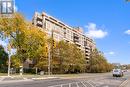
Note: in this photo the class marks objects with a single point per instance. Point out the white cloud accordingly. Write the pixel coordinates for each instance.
(111, 53)
(95, 32)
(127, 32)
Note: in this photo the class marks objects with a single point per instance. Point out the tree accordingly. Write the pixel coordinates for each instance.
(68, 58)
(98, 63)
(15, 61)
(14, 29)
(79, 59)
(63, 56)
(128, 66)
(28, 40)
(35, 46)
(3, 57)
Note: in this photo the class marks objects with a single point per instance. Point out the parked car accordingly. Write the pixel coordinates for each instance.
(117, 73)
(124, 70)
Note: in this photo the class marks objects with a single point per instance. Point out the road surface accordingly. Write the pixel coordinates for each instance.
(85, 80)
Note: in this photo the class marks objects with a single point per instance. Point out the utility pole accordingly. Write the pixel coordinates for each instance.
(9, 53)
(50, 54)
(9, 66)
(49, 61)
(91, 58)
(52, 50)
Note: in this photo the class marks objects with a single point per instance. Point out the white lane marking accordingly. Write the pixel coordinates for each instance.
(83, 84)
(77, 84)
(106, 86)
(62, 84)
(90, 84)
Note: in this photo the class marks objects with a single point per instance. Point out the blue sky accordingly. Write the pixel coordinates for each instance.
(108, 21)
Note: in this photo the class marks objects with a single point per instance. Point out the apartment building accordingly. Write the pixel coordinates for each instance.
(62, 31)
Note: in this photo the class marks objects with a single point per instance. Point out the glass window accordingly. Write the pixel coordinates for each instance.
(9, 7)
(3, 7)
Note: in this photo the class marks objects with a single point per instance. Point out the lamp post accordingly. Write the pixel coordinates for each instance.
(50, 53)
(49, 61)
(9, 53)
(9, 66)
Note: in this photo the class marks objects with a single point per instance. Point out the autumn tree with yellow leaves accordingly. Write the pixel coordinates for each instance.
(28, 40)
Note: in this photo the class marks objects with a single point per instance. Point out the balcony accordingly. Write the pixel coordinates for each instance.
(39, 22)
(87, 47)
(39, 25)
(87, 58)
(78, 44)
(76, 39)
(87, 54)
(87, 50)
(39, 16)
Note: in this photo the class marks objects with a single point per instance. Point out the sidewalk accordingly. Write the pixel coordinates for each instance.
(11, 78)
(128, 84)
(17, 78)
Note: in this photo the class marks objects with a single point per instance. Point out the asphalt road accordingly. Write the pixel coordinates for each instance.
(99, 80)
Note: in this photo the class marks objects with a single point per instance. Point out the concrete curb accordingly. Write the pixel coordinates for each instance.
(123, 84)
(86, 77)
(38, 78)
(44, 78)
(14, 81)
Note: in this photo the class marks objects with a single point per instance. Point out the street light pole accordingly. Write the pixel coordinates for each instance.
(91, 58)
(50, 55)
(49, 62)
(9, 53)
(9, 65)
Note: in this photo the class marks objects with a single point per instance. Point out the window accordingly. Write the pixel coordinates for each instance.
(9, 7)
(6, 7)
(47, 24)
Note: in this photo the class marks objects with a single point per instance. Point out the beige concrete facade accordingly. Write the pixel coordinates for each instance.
(62, 31)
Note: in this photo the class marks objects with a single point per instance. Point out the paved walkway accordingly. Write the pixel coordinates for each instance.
(9, 78)
(21, 78)
(128, 84)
